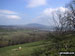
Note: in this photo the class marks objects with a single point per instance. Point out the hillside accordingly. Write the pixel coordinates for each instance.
(26, 50)
(41, 48)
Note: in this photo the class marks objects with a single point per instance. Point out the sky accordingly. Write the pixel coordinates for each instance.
(21, 12)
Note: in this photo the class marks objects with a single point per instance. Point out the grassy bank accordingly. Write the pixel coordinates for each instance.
(26, 50)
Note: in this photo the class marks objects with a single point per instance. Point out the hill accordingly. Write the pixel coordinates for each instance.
(27, 26)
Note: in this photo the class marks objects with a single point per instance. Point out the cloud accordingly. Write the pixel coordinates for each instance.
(46, 15)
(36, 3)
(12, 16)
(7, 14)
(49, 11)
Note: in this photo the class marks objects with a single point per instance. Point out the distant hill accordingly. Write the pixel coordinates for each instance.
(27, 26)
(35, 25)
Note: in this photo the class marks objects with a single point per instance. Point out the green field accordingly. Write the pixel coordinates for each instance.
(26, 50)
(35, 43)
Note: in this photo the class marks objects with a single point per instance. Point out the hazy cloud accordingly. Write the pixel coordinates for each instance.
(12, 16)
(46, 15)
(36, 3)
(9, 14)
(49, 11)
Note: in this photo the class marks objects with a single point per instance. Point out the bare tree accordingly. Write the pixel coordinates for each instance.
(60, 22)
(71, 15)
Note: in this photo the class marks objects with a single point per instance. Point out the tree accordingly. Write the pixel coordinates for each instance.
(71, 15)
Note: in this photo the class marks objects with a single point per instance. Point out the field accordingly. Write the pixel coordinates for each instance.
(35, 42)
(26, 50)
(14, 37)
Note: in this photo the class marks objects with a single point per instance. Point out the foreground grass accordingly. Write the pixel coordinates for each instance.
(26, 50)
(47, 48)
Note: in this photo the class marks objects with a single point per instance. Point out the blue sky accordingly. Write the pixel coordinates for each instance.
(21, 12)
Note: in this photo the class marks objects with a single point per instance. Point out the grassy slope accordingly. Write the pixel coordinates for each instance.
(26, 49)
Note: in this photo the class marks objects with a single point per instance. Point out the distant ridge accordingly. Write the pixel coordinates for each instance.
(35, 25)
(27, 26)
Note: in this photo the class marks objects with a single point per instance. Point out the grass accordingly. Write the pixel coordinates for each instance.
(46, 47)
(26, 50)
(29, 48)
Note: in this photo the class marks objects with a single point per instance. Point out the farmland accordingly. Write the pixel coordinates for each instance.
(34, 43)
(13, 37)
